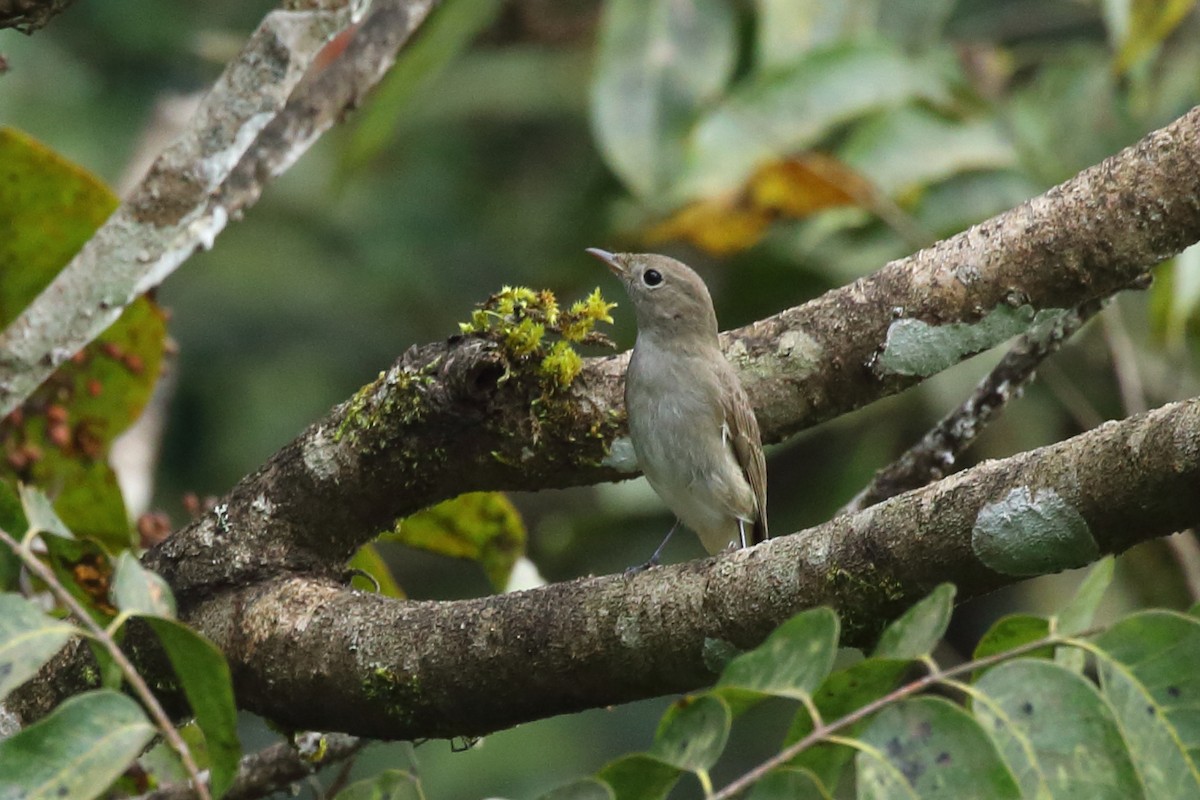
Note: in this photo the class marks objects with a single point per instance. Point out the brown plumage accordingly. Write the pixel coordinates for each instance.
(692, 426)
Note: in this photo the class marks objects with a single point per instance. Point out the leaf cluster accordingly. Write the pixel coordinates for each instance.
(1046, 708)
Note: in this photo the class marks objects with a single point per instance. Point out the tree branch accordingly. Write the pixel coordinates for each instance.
(440, 421)
(378, 667)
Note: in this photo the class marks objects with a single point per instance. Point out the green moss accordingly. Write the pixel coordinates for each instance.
(398, 693)
(523, 322)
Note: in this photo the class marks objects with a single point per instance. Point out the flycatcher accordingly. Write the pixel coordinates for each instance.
(692, 426)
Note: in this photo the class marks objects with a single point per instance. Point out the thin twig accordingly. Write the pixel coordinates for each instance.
(135, 681)
(1124, 361)
(272, 769)
(933, 456)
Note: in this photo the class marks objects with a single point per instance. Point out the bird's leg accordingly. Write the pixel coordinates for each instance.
(653, 562)
(742, 531)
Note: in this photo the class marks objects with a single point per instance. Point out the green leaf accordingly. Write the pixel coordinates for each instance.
(919, 629)
(48, 208)
(39, 512)
(938, 749)
(843, 693)
(1149, 24)
(483, 527)
(137, 590)
(77, 751)
(369, 560)
(391, 784)
(792, 662)
(907, 149)
(583, 789)
(657, 63)
(1076, 616)
(85, 570)
(1147, 669)
(639, 777)
(27, 640)
(208, 686)
(1013, 631)
(786, 783)
(793, 110)
(693, 733)
(60, 437)
(1056, 732)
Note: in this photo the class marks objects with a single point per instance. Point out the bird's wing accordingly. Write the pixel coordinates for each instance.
(747, 448)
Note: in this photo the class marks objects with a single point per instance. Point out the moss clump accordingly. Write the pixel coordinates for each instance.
(522, 320)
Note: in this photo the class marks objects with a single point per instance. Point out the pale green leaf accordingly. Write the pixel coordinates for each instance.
(28, 638)
(77, 751)
(792, 662)
(1056, 732)
(658, 61)
(693, 733)
(916, 632)
(137, 590)
(794, 109)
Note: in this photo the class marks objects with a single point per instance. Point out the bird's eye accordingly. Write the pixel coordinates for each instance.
(652, 277)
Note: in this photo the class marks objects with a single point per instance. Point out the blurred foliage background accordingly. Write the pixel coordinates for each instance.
(783, 147)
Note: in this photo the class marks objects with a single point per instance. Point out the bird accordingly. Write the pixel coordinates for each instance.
(692, 426)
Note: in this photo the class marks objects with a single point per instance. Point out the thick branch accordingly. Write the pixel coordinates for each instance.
(378, 667)
(441, 422)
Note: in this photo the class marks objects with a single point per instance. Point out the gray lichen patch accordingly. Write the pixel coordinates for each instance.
(1030, 533)
(917, 348)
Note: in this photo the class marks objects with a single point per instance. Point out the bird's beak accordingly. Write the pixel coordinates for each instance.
(610, 260)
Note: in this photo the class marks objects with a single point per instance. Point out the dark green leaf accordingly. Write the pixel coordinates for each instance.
(639, 777)
(1056, 732)
(137, 590)
(204, 675)
(786, 783)
(915, 633)
(693, 733)
(657, 62)
(935, 748)
(1011, 632)
(843, 693)
(27, 640)
(77, 751)
(12, 522)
